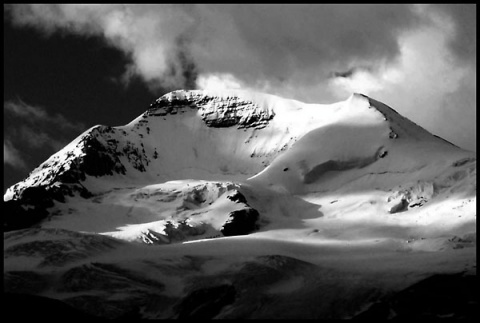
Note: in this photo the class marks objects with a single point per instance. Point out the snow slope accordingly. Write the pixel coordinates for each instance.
(230, 184)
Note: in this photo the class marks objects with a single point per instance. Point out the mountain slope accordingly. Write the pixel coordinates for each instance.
(346, 191)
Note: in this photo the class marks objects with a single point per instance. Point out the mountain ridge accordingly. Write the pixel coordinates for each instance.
(104, 151)
(235, 204)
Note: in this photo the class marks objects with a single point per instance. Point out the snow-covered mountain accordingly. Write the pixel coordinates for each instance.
(234, 204)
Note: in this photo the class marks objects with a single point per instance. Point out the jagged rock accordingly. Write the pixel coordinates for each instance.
(98, 159)
(237, 197)
(96, 154)
(401, 206)
(215, 112)
(413, 195)
(182, 230)
(173, 232)
(241, 222)
(106, 151)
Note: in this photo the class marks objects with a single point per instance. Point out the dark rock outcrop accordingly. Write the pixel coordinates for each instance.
(216, 112)
(96, 154)
(241, 222)
(106, 151)
(237, 197)
(401, 206)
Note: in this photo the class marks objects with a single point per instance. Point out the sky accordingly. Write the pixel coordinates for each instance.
(70, 67)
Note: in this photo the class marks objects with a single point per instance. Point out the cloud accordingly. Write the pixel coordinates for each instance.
(150, 35)
(36, 114)
(252, 42)
(36, 137)
(30, 127)
(416, 58)
(12, 157)
(427, 84)
(464, 33)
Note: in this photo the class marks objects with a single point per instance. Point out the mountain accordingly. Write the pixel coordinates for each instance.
(235, 204)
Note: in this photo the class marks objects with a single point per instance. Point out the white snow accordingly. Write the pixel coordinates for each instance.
(323, 178)
(306, 157)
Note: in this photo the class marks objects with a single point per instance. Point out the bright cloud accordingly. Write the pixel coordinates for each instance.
(423, 83)
(218, 82)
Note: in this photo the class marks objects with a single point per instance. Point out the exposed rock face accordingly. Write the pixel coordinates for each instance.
(216, 112)
(400, 206)
(415, 195)
(174, 232)
(105, 151)
(241, 222)
(95, 154)
(98, 152)
(237, 197)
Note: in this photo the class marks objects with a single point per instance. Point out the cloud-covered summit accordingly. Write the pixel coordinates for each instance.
(400, 54)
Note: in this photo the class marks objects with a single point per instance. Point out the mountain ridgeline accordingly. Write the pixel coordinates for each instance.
(236, 204)
(218, 135)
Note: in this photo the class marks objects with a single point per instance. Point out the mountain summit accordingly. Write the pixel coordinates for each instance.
(237, 180)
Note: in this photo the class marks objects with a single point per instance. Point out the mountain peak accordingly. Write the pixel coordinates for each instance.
(237, 135)
(217, 110)
(244, 187)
